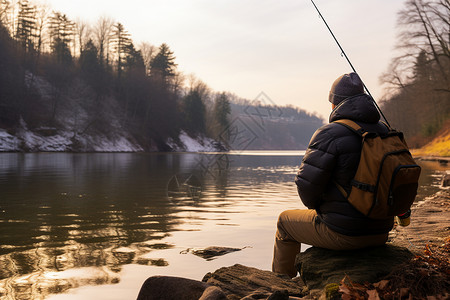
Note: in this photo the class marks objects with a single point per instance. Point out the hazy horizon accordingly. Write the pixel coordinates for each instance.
(280, 48)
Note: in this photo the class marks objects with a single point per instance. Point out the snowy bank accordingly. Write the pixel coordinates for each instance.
(199, 144)
(52, 140)
(25, 140)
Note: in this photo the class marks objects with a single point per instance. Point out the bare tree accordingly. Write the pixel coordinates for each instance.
(102, 33)
(41, 22)
(194, 83)
(418, 80)
(178, 83)
(83, 32)
(424, 28)
(4, 8)
(8, 14)
(148, 52)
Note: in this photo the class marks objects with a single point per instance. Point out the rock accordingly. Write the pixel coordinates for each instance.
(209, 253)
(241, 282)
(279, 295)
(319, 267)
(213, 293)
(446, 180)
(177, 288)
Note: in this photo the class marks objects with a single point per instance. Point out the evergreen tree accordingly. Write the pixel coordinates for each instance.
(222, 110)
(194, 112)
(11, 81)
(61, 51)
(162, 66)
(120, 40)
(92, 70)
(61, 34)
(26, 25)
(89, 57)
(134, 61)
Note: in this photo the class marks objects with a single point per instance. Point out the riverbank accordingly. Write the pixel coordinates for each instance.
(439, 146)
(427, 273)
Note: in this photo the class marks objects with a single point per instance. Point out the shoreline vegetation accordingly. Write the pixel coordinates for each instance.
(439, 146)
(79, 87)
(438, 149)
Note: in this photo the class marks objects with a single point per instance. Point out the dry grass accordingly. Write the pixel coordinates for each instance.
(439, 146)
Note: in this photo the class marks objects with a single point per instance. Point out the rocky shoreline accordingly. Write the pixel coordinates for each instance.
(416, 249)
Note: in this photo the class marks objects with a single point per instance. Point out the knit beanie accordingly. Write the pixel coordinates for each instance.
(345, 86)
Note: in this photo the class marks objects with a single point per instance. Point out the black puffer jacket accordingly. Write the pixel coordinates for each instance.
(333, 156)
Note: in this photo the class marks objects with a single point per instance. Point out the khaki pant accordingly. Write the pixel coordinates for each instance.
(299, 226)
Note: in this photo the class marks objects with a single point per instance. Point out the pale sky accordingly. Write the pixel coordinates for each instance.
(246, 47)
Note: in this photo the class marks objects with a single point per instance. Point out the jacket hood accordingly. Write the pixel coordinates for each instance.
(357, 108)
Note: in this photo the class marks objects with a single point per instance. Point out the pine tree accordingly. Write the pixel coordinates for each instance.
(134, 60)
(120, 40)
(26, 25)
(194, 112)
(61, 33)
(163, 66)
(221, 111)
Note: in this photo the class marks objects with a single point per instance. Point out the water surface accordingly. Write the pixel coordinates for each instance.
(95, 226)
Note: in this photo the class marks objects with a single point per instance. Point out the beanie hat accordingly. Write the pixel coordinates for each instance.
(345, 86)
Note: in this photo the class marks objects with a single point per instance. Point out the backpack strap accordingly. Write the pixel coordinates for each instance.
(352, 125)
(386, 124)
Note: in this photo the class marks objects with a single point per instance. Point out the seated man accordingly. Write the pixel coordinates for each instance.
(332, 157)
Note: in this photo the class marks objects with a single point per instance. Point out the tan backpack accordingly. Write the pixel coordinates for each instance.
(387, 177)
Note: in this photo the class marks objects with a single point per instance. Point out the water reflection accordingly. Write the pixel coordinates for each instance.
(70, 220)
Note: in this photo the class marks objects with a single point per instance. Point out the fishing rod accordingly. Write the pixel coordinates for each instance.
(349, 62)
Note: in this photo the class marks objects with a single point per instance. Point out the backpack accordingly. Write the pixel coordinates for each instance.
(386, 181)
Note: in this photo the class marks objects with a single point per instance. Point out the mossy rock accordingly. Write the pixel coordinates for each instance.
(332, 291)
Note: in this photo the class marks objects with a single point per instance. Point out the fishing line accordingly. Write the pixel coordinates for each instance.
(348, 60)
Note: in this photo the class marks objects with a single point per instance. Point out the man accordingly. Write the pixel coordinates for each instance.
(331, 159)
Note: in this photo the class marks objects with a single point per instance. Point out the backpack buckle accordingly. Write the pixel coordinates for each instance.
(363, 186)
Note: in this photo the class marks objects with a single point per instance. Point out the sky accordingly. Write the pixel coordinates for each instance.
(279, 47)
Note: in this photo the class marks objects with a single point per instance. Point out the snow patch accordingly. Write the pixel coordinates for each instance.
(8, 142)
(36, 142)
(62, 141)
(200, 144)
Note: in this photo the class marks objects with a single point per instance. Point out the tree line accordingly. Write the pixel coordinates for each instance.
(418, 79)
(155, 104)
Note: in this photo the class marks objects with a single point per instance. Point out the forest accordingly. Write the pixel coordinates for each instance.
(92, 79)
(57, 73)
(417, 82)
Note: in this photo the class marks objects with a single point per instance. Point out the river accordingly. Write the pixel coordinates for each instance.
(95, 226)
